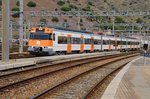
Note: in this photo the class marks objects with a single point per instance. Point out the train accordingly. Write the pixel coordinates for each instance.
(59, 41)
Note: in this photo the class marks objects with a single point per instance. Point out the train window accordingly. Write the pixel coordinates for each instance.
(123, 42)
(104, 42)
(62, 40)
(76, 40)
(82, 40)
(118, 42)
(92, 41)
(87, 41)
(128, 42)
(40, 36)
(99, 41)
(96, 41)
(112, 42)
(69, 40)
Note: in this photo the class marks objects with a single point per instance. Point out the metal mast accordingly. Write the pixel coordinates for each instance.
(21, 27)
(5, 30)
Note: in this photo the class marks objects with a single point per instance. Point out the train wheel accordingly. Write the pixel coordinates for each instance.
(58, 53)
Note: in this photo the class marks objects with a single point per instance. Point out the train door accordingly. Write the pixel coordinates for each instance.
(116, 43)
(53, 38)
(101, 42)
(69, 45)
(134, 44)
(109, 44)
(82, 44)
(121, 44)
(130, 44)
(92, 44)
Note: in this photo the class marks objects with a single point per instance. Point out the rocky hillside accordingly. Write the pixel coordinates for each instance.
(85, 5)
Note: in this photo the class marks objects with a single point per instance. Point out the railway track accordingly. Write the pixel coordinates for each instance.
(80, 86)
(40, 78)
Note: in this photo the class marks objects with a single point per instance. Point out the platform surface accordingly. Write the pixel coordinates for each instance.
(132, 82)
(15, 63)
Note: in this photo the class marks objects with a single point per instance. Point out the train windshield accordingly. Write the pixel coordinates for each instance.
(40, 36)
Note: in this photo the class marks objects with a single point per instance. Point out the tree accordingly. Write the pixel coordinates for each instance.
(31, 4)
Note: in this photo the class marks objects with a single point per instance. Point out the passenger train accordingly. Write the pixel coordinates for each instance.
(44, 40)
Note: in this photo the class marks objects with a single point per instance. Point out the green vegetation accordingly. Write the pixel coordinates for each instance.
(55, 19)
(18, 3)
(83, 28)
(61, 2)
(31, 4)
(43, 20)
(66, 8)
(119, 20)
(73, 7)
(15, 9)
(139, 20)
(87, 8)
(0, 2)
(90, 3)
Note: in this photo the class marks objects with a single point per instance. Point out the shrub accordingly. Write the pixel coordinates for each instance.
(31, 4)
(87, 8)
(119, 20)
(15, 9)
(66, 8)
(73, 7)
(0, 2)
(43, 20)
(65, 20)
(90, 3)
(81, 20)
(18, 3)
(60, 2)
(55, 19)
(105, 1)
(16, 14)
(83, 28)
(139, 20)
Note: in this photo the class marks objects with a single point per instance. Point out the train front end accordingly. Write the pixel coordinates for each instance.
(41, 41)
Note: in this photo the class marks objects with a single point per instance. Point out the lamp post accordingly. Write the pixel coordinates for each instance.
(21, 27)
(5, 30)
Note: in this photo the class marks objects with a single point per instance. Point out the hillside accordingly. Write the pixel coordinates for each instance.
(86, 5)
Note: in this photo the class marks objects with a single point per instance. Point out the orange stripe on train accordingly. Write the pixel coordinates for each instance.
(69, 45)
(82, 45)
(40, 42)
(92, 45)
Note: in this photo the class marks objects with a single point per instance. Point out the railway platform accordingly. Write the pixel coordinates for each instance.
(132, 82)
(18, 63)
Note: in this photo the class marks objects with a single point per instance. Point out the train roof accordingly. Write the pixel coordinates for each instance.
(72, 30)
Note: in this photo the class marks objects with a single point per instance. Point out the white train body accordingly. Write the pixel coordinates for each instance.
(62, 41)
